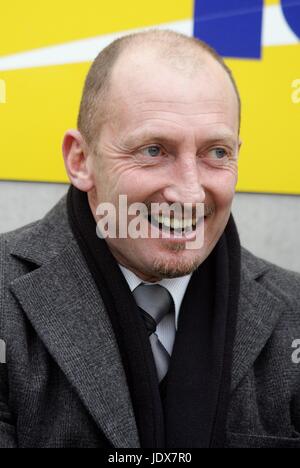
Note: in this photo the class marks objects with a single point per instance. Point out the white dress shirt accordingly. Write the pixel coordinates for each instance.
(166, 329)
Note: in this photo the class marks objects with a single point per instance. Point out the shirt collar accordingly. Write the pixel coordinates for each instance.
(175, 286)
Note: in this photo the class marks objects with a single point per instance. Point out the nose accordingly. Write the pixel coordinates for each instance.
(186, 186)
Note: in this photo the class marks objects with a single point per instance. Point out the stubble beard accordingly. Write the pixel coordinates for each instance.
(175, 267)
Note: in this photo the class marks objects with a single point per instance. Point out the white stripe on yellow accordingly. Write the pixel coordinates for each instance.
(276, 31)
(78, 51)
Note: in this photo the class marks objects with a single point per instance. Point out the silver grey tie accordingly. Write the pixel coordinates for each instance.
(156, 302)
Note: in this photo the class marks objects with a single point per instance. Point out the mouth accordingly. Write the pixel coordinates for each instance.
(174, 225)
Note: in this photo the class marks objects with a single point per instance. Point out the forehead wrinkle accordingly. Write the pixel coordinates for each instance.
(175, 101)
(178, 132)
(182, 125)
(140, 105)
(143, 101)
(145, 111)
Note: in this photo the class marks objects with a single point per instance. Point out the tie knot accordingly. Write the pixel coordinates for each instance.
(153, 299)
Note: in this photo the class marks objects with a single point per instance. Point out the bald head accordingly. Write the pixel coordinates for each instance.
(183, 55)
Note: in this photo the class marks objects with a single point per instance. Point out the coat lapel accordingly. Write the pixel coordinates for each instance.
(259, 311)
(65, 308)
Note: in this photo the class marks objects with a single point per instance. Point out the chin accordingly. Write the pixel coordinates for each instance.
(176, 264)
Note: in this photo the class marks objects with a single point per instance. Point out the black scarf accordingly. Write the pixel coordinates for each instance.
(189, 408)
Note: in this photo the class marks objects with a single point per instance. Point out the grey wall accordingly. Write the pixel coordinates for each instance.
(269, 225)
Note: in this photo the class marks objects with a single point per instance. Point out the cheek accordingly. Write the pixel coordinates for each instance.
(222, 189)
(139, 184)
(111, 178)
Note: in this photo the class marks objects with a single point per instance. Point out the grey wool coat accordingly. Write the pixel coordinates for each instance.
(62, 383)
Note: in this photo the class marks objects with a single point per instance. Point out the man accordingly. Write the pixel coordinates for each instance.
(147, 341)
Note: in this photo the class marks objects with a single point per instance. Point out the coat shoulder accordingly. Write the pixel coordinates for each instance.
(35, 243)
(282, 282)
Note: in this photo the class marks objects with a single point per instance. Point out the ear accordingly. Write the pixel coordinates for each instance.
(77, 161)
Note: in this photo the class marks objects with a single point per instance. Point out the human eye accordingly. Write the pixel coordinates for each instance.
(219, 153)
(217, 156)
(152, 151)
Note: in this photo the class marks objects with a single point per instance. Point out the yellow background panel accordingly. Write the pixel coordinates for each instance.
(270, 157)
(271, 2)
(29, 24)
(41, 104)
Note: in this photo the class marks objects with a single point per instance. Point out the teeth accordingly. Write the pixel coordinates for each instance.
(174, 223)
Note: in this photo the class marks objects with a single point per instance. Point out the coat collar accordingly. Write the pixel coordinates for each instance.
(78, 333)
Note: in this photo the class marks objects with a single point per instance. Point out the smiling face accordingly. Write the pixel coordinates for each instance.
(170, 136)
